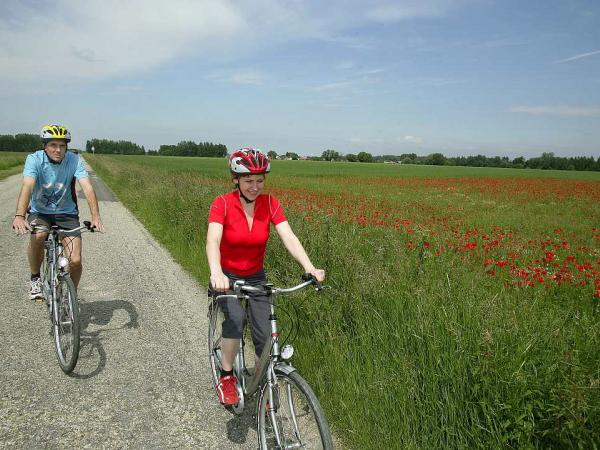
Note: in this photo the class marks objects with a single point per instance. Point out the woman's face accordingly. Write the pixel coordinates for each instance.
(251, 185)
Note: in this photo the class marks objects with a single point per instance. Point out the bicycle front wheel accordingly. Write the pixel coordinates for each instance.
(294, 418)
(215, 321)
(66, 324)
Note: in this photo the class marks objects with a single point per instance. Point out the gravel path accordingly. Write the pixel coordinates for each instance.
(142, 380)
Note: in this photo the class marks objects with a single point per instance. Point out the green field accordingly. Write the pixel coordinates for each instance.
(464, 302)
(11, 163)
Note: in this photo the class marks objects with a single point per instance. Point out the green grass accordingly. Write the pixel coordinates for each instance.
(409, 349)
(11, 163)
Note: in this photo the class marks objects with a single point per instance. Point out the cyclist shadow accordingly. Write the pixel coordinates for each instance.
(239, 425)
(95, 321)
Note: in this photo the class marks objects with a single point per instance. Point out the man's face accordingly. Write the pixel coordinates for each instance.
(56, 149)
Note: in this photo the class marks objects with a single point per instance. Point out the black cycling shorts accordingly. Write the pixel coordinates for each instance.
(259, 311)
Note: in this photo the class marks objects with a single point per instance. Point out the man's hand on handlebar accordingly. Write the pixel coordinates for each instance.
(21, 226)
(97, 225)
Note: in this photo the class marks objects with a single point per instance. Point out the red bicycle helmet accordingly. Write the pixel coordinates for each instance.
(249, 161)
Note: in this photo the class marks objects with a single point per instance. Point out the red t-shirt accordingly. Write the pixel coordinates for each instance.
(243, 249)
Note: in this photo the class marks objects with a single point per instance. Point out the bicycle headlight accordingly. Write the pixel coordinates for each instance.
(287, 352)
(63, 262)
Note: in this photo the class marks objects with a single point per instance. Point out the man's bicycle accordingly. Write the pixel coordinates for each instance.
(60, 294)
(289, 414)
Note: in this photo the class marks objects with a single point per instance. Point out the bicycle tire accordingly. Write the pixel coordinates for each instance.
(66, 325)
(215, 321)
(45, 277)
(298, 415)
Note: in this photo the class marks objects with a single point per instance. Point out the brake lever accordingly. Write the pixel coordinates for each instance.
(311, 277)
(89, 226)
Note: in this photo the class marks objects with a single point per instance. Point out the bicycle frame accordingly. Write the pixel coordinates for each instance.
(271, 355)
(55, 267)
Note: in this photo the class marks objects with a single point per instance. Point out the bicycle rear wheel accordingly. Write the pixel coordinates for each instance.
(295, 417)
(66, 324)
(215, 337)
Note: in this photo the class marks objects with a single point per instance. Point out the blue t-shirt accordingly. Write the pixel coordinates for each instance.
(54, 183)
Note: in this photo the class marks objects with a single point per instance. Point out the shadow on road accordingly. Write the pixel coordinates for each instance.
(98, 320)
(238, 425)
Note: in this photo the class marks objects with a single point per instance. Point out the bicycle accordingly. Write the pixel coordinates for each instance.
(60, 295)
(288, 412)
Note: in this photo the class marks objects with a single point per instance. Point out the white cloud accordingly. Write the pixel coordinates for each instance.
(413, 139)
(99, 38)
(561, 110)
(247, 76)
(66, 40)
(334, 86)
(396, 11)
(580, 56)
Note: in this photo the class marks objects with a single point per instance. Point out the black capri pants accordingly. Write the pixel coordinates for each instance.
(259, 311)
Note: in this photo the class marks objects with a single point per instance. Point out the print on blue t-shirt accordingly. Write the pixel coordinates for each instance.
(52, 192)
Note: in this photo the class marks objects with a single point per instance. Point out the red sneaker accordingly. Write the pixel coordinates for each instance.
(227, 390)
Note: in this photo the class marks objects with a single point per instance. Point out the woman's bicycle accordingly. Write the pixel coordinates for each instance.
(61, 295)
(289, 414)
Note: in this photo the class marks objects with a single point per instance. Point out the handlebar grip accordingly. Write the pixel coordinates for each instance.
(311, 277)
(89, 226)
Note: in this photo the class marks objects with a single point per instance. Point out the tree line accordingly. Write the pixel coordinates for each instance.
(190, 148)
(106, 146)
(20, 142)
(546, 161)
(25, 142)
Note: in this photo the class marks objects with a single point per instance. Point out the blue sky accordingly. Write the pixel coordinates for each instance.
(388, 77)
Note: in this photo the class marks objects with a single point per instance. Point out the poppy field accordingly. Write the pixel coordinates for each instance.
(464, 303)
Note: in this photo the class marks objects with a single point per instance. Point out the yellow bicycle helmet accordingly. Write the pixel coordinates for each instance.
(50, 132)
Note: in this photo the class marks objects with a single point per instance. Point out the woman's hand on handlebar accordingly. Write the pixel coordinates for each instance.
(219, 282)
(319, 274)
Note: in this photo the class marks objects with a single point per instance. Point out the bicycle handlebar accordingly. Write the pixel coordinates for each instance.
(240, 287)
(87, 226)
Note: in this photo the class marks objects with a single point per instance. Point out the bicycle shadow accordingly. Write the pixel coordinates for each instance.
(95, 320)
(239, 425)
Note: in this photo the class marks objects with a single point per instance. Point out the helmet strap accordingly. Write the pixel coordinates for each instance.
(246, 199)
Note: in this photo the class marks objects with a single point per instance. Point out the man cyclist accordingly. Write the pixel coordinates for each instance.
(48, 198)
(236, 241)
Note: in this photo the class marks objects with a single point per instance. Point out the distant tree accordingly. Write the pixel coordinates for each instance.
(365, 157)
(25, 142)
(351, 157)
(7, 143)
(291, 155)
(106, 146)
(435, 159)
(408, 158)
(518, 162)
(330, 155)
(190, 148)
(272, 154)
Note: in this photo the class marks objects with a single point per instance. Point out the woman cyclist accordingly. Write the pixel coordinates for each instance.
(238, 230)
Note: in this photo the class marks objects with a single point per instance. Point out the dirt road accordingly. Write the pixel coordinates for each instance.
(142, 380)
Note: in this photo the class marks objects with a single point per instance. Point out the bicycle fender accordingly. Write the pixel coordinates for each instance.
(285, 368)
